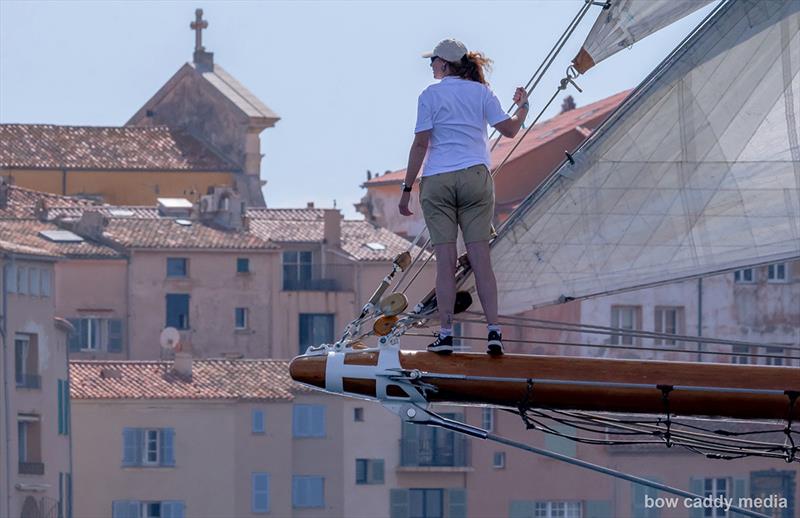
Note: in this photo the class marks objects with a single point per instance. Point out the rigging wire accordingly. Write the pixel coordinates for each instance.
(609, 346)
(596, 329)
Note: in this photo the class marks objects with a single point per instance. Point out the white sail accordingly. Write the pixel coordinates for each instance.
(697, 172)
(628, 21)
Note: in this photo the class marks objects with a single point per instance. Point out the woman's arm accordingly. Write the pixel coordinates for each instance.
(510, 127)
(415, 157)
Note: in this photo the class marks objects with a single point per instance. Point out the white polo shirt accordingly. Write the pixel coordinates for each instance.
(457, 110)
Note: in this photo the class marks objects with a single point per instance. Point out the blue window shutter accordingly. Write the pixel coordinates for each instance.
(298, 491)
(318, 421)
(259, 493)
(115, 335)
(398, 503)
(69, 495)
(696, 486)
(125, 509)
(60, 407)
(520, 509)
(167, 438)
(178, 310)
(318, 491)
(172, 509)
(67, 409)
(60, 494)
(300, 420)
(258, 421)
(598, 509)
(376, 467)
(131, 455)
(740, 490)
(457, 503)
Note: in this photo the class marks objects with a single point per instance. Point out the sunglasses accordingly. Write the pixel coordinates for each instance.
(433, 59)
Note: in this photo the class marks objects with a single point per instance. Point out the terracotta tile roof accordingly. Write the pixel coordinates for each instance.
(307, 226)
(45, 146)
(578, 120)
(211, 379)
(23, 236)
(168, 233)
(22, 202)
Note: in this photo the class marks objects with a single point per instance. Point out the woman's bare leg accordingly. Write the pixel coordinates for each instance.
(446, 255)
(481, 263)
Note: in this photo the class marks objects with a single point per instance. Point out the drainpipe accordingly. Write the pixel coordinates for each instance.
(699, 318)
(4, 368)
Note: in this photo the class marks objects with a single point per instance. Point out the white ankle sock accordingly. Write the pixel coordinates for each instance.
(445, 332)
(493, 327)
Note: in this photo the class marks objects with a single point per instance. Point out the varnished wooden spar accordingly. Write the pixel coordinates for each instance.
(575, 383)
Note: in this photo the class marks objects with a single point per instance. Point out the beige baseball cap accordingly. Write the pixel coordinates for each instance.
(449, 50)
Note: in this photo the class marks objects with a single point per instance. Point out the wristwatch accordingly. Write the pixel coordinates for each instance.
(406, 188)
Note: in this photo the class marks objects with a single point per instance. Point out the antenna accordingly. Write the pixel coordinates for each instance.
(170, 339)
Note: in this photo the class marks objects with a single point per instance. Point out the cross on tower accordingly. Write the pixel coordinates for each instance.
(197, 26)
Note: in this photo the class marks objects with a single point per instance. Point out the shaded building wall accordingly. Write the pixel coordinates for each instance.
(215, 290)
(89, 288)
(31, 317)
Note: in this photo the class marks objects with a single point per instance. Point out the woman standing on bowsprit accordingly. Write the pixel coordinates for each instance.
(456, 188)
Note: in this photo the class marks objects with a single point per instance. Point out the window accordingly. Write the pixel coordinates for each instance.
(11, 278)
(178, 310)
(715, 488)
(776, 272)
(625, 318)
(242, 265)
(426, 503)
(557, 510)
(96, 334)
(297, 270)
(499, 460)
(22, 280)
(668, 320)
(240, 315)
(26, 362)
(33, 281)
(743, 276)
(257, 418)
(308, 491)
(148, 447)
(358, 414)
(151, 447)
(177, 267)
(432, 446)
(774, 351)
(259, 500)
(29, 444)
(63, 407)
(308, 421)
(737, 350)
(369, 471)
(315, 329)
(487, 419)
(45, 284)
(139, 509)
(561, 443)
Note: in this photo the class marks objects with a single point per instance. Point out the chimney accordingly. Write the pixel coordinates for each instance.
(3, 193)
(91, 224)
(183, 364)
(568, 104)
(333, 228)
(310, 205)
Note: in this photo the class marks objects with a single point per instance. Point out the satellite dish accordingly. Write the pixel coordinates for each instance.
(170, 338)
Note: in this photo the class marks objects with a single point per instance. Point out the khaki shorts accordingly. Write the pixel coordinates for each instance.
(462, 198)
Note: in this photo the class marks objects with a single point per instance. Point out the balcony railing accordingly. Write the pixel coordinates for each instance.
(423, 452)
(317, 277)
(31, 468)
(31, 381)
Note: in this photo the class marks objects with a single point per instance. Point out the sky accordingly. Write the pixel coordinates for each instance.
(344, 76)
